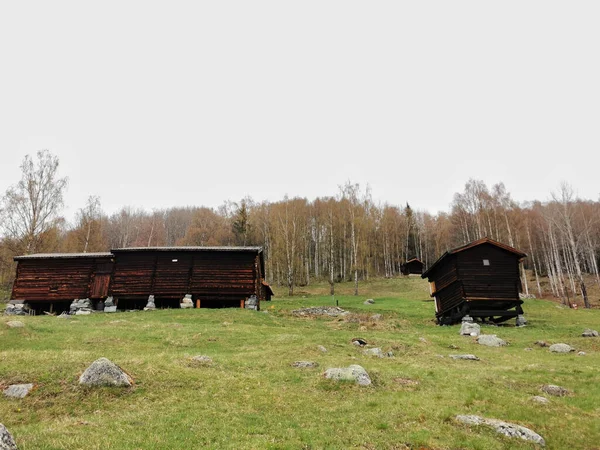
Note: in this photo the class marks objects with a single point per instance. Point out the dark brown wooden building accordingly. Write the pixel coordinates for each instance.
(59, 278)
(480, 279)
(213, 276)
(412, 267)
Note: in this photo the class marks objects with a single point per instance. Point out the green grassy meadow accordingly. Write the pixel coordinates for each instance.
(251, 398)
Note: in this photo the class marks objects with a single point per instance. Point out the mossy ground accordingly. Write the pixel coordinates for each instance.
(251, 397)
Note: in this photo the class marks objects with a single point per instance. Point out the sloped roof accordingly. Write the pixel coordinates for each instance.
(476, 243)
(63, 255)
(188, 249)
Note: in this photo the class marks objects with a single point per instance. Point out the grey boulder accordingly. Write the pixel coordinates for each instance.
(7, 442)
(467, 357)
(15, 324)
(561, 348)
(490, 340)
(104, 372)
(369, 301)
(557, 391)
(353, 372)
(305, 364)
(507, 429)
(589, 333)
(18, 390)
(468, 328)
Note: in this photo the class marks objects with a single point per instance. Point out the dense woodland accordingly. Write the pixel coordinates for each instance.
(341, 238)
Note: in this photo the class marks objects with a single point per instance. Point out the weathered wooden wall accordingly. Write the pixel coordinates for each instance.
(61, 277)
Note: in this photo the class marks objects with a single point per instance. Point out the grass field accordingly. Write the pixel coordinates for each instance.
(251, 397)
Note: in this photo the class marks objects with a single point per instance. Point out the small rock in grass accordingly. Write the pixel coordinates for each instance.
(376, 317)
(15, 324)
(505, 428)
(453, 347)
(202, 359)
(423, 340)
(540, 399)
(369, 301)
(490, 340)
(7, 442)
(528, 349)
(18, 390)
(374, 352)
(360, 342)
(467, 357)
(104, 372)
(582, 353)
(561, 348)
(589, 333)
(353, 372)
(557, 391)
(321, 348)
(305, 364)
(470, 329)
(542, 344)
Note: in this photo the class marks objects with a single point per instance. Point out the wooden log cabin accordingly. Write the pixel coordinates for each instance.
(53, 280)
(412, 267)
(213, 276)
(480, 279)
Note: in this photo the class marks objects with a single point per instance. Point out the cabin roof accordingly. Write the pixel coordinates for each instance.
(63, 256)
(470, 245)
(188, 249)
(414, 260)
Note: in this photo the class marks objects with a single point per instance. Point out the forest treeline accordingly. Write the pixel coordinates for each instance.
(347, 237)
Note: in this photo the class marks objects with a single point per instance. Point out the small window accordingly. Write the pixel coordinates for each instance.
(486, 262)
(173, 260)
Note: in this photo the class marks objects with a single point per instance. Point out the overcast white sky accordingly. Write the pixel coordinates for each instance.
(158, 104)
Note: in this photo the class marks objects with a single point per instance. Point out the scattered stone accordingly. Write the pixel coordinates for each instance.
(109, 302)
(333, 311)
(561, 348)
(82, 312)
(321, 348)
(110, 309)
(540, 399)
(374, 352)
(557, 391)
(589, 333)
(470, 329)
(406, 381)
(150, 306)
(505, 428)
(83, 304)
(202, 359)
(521, 321)
(252, 303)
(467, 319)
(542, 344)
(7, 442)
(186, 302)
(17, 308)
(104, 372)
(63, 315)
(490, 340)
(376, 317)
(360, 342)
(305, 364)
(582, 353)
(528, 349)
(15, 324)
(353, 372)
(453, 347)
(423, 340)
(467, 357)
(18, 390)
(369, 301)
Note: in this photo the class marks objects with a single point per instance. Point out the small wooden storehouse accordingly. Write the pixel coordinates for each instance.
(214, 277)
(480, 279)
(48, 280)
(412, 267)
